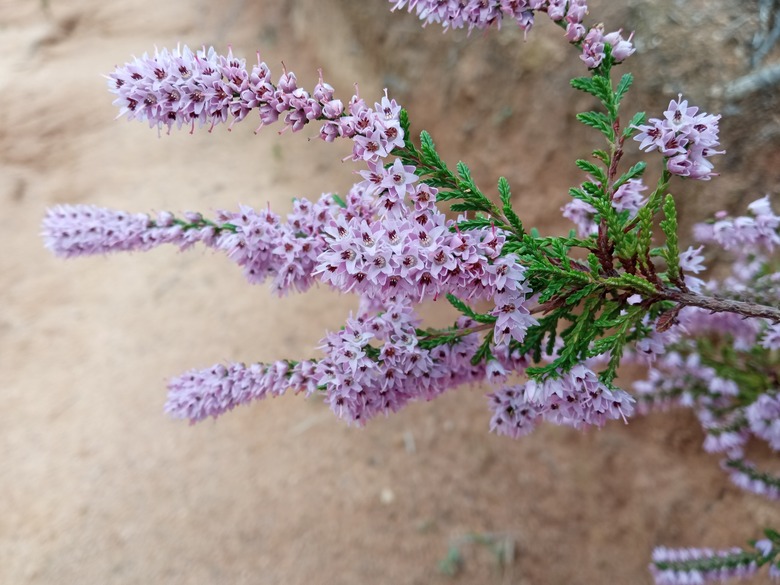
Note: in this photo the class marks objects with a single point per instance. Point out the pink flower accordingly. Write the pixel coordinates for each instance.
(771, 338)
(628, 197)
(685, 137)
(593, 48)
(622, 48)
(513, 317)
(512, 416)
(582, 215)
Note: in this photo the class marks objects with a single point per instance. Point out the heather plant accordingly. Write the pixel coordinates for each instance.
(545, 320)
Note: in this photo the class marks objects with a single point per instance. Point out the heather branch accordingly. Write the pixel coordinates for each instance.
(388, 242)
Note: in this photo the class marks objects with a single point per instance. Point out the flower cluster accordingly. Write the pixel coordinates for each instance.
(387, 241)
(759, 232)
(481, 14)
(374, 365)
(771, 337)
(763, 418)
(745, 475)
(200, 394)
(413, 257)
(180, 87)
(576, 398)
(686, 139)
(417, 256)
(267, 247)
(259, 241)
(81, 230)
(472, 14)
(686, 364)
(594, 46)
(698, 566)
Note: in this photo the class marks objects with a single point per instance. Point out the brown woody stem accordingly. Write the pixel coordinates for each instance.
(717, 305)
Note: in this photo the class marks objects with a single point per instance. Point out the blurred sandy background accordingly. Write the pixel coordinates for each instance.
(97, 486)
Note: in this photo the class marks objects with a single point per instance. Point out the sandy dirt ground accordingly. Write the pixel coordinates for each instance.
(97, 486)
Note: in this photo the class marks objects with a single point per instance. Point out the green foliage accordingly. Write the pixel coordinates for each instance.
(599, 121)
(602, 156)
(339, 201)
(593, 263)
(506, 199)
(581, 286)
(201, 223)
(592, 169)
(458, 187)
(772, 535)
(474, 224)
(634, 172)
(428, 149)
(632, 283)
(483, 353)
(671, 252)
(623, 86)
(469, 312)
(597, 86)
(582, 296)
(403, 118)
(645, 235)
(616, 342)
(637, 120)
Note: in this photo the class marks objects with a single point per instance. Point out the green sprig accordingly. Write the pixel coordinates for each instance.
(671, 252)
